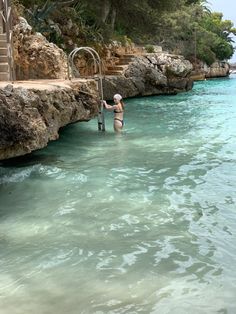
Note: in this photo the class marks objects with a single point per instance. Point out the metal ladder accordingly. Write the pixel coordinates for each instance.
(97, 66)
(7, 71)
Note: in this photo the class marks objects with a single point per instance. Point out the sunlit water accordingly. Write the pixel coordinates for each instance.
(139, 223)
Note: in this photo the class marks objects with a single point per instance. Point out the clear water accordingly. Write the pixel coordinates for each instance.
(139, 223)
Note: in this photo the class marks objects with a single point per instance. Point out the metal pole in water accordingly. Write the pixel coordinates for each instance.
(101, 118)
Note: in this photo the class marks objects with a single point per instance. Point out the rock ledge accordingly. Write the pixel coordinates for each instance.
(31, 114)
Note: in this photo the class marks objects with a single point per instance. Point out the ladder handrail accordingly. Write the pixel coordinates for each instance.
(97, 63)
(75, 51)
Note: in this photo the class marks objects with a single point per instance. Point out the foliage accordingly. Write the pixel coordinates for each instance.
(205, 54)
(38, 16)
(219, 31)
(197, 33)
(149, 48)
(222, 49)
(181, 26)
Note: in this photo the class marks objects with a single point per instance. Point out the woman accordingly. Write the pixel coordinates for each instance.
(118, 109)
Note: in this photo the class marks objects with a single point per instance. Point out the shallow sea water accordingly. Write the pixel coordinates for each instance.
(144, 222)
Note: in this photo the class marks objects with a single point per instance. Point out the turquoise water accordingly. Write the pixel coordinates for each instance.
(139, 223)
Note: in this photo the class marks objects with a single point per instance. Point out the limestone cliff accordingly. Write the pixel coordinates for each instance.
(31, 115)
(151, 74)
(217, 69)
(35, 57)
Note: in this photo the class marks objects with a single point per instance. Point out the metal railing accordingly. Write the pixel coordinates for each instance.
(6, 28)
(97, 68)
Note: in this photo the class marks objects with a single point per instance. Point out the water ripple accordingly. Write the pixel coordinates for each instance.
(138, 223)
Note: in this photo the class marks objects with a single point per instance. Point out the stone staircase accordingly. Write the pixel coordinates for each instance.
(4, 66)
(6, 41)
(121, 64)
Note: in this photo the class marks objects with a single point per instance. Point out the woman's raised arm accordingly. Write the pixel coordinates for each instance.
(109, 107)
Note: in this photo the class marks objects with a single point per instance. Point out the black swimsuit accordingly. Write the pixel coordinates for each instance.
(122, 121)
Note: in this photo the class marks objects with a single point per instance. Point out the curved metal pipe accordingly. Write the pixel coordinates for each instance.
(97, 64)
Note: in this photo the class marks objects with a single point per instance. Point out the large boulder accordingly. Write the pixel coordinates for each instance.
(35, 57)
(119, 84)
(30, 117)
(151, 74)
(218, 69)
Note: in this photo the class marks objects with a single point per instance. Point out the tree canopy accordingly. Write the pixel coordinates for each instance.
(182, 26)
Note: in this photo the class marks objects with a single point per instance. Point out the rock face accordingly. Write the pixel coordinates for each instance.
(151, 74)
(31, 117)
(35, 57)
(218, 69)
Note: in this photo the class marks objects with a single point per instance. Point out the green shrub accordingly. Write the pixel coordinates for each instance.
(206, 54)
(223, 49)
(150, 49)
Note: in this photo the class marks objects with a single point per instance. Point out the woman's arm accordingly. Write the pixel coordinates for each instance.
(109, 107)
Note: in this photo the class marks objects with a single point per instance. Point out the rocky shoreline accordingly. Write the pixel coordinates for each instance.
(32, 112)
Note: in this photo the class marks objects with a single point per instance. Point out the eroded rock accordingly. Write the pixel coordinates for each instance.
(31, 117)
(151, 74)
(218, 69)
(35, 57)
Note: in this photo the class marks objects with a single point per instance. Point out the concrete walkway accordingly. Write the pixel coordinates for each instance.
(46, 84)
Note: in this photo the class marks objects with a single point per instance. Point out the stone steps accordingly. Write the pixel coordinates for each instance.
(3, 59)
(4, 76)
(116, 68)
(3, 37)
(120, 65)
(125, 59)
(130, 55)
(4, 67)
(3, 51)
(123, 62)
(113, 72)
(3, 44)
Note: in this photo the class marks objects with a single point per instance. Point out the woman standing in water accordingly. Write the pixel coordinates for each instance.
(118, 109)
